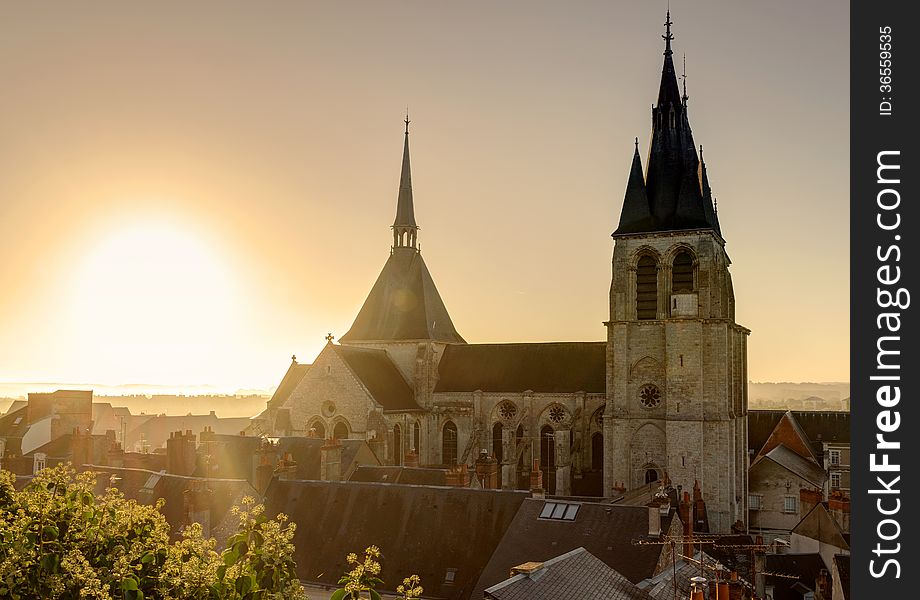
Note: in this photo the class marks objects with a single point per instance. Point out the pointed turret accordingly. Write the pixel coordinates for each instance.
(635, 215)
(405, 229)
(673, 186)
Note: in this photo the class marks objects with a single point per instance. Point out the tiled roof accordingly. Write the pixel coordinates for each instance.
(292, 377)
(425, 530)
(829, 426)
(795, 463)
(404, 475)
(560, 367)
(806, 566)
(404, 304)
(380, 376)
(606, 531)
(575, 574)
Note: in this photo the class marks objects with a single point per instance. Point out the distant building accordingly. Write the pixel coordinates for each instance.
(665, 394)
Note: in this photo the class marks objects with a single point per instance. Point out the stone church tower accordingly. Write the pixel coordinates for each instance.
(676, 359)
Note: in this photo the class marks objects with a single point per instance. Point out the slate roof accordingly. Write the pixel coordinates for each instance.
(676, 187)
(379, 375)
(661, 586)
(819, 525)
(830, 426)
(404, 475)
(553, 367)
(292, 377)
(575, 574)
(605, 530)
(806, 566)
(306, 452)
(424, 530)
(13, 426)
(404, 304)
(147, 486)
(789, 460)
(842, 562)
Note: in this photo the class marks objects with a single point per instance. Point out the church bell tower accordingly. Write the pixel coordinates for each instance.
(676, 360)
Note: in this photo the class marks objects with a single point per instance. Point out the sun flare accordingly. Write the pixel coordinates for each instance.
(154, 292)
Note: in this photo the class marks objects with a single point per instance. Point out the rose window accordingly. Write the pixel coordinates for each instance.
(507, 410)
(650, 396)
(557, 414)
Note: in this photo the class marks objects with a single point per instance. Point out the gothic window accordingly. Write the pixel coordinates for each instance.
(397, 445)
(556, 414)
(497, 449)
(597, 451)
(651, 475)
(547, 449)
(417, 437)
(449, 444)
(599, 417)
(340, 431)
(646, 288)
(507, 410)
(650, 395)
(317, 429)
(682, 273)
(518, 436)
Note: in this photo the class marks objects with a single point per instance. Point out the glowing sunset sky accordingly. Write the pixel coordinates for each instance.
(192, 192)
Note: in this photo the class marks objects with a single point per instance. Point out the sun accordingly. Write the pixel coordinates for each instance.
(154, 295)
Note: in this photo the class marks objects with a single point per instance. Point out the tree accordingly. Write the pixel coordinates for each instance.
(58, 539)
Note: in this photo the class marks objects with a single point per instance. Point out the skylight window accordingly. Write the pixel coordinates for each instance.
(559, 511)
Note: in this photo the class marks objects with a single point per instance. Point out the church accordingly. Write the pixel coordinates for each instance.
(663, 398)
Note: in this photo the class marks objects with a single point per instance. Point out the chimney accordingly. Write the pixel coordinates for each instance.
(656, 509)
(458, 476)
(412, 458)
(686, 518)
(331, 465)
(487, 471)
(180, 453)
(264, 471)
(197, 499)
(287, 467)
(735, 587)
(536, 480)
(760, 564)
(699, 584)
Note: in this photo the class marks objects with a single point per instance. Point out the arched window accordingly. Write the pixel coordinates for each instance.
(340, 431)
(547, 449)
(497, 446)
(417, 437)
(682, 273)
(597, 451)
(397, 445)
(318, 430)
(449, 444)
(518, 436)
(651, 475)
(647, 288)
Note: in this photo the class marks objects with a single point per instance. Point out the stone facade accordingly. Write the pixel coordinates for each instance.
(677, 382)
(663, 398)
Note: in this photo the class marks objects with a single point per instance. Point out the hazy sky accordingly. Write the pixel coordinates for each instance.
(192, 192)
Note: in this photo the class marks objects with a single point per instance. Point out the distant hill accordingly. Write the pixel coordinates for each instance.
(799, 396)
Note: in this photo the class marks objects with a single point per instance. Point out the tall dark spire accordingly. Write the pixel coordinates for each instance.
(673, 184)
(405, 229)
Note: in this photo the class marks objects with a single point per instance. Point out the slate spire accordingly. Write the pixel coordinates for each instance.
(405, 229)
(673, 184)
(635, 215)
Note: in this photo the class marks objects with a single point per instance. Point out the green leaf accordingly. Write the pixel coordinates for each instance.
(338, 595)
